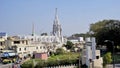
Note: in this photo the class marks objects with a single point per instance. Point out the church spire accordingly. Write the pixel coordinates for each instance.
(56, 26)
(32, 29)
(56, 17)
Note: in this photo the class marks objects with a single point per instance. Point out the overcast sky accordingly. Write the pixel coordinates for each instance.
(75, 16)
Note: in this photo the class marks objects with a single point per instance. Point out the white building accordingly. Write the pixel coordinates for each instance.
(90, 56)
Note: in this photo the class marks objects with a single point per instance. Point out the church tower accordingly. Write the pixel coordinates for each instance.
(56, 26)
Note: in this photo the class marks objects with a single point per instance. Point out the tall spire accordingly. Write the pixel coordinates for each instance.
(56, 17)
(32, 29)
(56, 26)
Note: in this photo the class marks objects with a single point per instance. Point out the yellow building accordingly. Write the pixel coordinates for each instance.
(24, 47)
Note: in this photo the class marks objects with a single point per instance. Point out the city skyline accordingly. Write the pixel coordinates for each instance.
(17, 17)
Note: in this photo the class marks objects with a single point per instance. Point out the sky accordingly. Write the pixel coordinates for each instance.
(75, 16)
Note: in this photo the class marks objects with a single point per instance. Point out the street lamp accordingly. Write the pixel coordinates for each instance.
(112, 42)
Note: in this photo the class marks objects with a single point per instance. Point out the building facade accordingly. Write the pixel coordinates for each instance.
(3, 38)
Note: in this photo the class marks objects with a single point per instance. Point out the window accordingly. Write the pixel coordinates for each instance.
(90, 60)
(36, 47)
(16, 42)
(97, 57)
(40, 47)
(32, 39)
(44, 47)
(25, 49)
(1, 43)
(19, 49)
(26, 42)
(22, 42)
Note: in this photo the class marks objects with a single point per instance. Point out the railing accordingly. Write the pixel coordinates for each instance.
(63, 66)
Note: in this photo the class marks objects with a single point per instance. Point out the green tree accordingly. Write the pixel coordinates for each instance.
(69, 45)
(79, 35)
(107, 58)
(74, 36)
(107, 30)
(60, 51)
(44, 34)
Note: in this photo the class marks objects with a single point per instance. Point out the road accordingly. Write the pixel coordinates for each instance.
(6, 65)
(111, 66)
(9, 65)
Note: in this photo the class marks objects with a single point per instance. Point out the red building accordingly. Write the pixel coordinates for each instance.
(42, 56)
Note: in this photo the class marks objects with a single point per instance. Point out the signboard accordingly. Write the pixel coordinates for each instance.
(11, 54)
(5, 54)
(8, 54)
(3, 34)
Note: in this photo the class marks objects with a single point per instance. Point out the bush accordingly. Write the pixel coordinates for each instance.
(69, 45)
(62, 59)
(40, 64)
(59, 51)
(107, 58)
(28, 64)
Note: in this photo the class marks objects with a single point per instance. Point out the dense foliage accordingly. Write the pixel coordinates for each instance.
(107, 30)
(59, 51)
(107, 58)
(69, 45)
(79, 35)
(44, 34)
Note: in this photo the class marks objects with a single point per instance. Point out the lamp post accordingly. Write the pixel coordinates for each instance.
(112, 42)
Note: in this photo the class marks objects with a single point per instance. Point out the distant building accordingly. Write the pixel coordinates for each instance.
(78, 43)
(3, 38)
(77, 40)
(3, 35)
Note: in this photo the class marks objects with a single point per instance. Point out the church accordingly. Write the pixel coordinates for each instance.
(55, 37)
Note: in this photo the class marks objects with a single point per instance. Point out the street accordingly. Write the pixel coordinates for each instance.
(6, 65)
(111, 66)
(9, 65)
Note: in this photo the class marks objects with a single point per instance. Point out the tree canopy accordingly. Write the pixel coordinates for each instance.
(107, 30)
(107, 58)
(44, 34)
(60, 51)
(69, 45)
